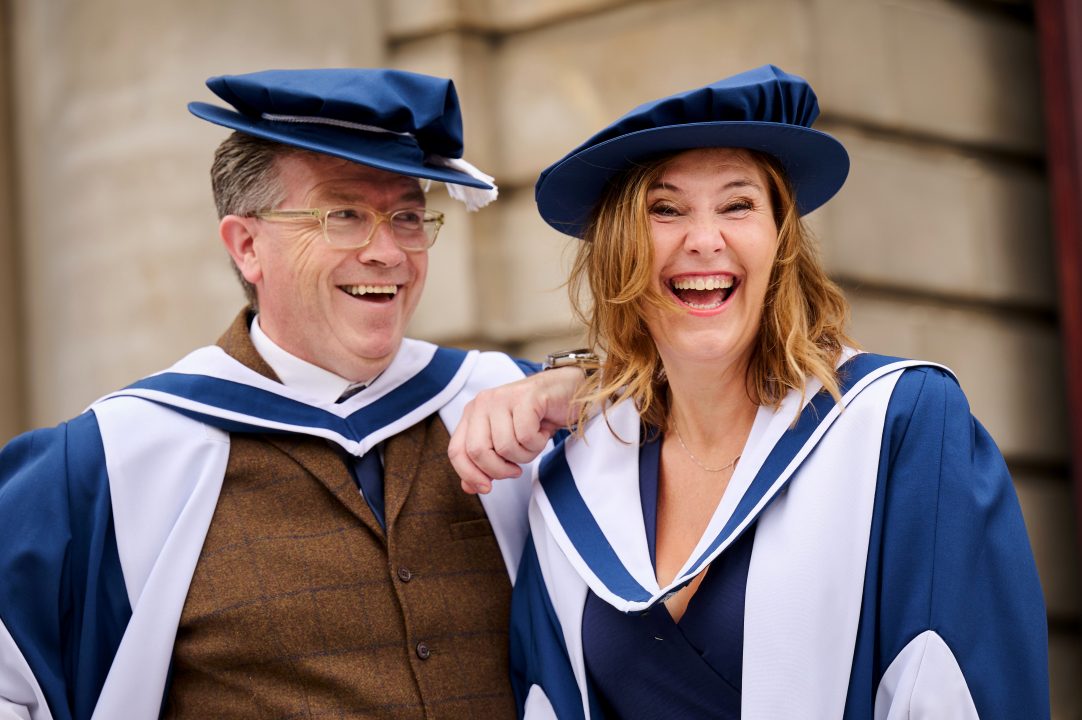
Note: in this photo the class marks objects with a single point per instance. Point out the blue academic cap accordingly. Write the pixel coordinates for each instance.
(392, 120)
(764, 109)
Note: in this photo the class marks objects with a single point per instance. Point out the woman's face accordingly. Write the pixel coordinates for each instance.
(714, 241)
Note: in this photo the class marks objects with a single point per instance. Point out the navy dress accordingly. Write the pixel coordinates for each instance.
(646, 665)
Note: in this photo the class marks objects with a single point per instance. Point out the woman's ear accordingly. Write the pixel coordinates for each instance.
(238, 235)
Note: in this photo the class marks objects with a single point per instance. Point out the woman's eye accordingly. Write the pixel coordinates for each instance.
(664, 210)
(738, 206)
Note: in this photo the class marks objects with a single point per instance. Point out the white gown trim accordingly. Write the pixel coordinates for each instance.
(924, 682)
(21, 697)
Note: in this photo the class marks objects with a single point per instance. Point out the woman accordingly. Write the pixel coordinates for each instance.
(763, 522)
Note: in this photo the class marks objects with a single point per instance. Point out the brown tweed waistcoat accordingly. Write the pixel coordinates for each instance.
(300, 607)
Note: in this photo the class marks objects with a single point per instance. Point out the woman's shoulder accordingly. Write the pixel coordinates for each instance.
(926, 400)
(927, 388)
(914, 378)
(921, 391)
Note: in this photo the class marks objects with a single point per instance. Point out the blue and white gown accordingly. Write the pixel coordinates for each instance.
(102, 518)
(890, 574)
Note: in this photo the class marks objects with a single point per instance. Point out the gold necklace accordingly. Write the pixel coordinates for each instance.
(695, 460)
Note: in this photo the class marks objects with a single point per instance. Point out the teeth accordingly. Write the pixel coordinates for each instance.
(371, 289)
(701, 306)
(715, 282)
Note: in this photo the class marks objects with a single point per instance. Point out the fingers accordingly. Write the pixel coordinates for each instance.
(506, 427)
(473, 454)
(474, 480)
(515, 434)
(495, 436)
(486, 453)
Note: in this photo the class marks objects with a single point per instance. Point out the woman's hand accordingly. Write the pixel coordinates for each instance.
(508, 426)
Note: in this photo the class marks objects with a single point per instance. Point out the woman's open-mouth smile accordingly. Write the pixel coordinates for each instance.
(703, 293)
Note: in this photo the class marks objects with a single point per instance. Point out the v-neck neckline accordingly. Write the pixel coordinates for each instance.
(649, 488)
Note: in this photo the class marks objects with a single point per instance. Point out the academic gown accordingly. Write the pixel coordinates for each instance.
(102, 518)
(891, 574)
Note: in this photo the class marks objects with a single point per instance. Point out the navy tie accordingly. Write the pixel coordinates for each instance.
(367, 470)
(368, 473)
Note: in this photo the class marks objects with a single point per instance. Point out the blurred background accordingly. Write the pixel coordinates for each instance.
(110, 265)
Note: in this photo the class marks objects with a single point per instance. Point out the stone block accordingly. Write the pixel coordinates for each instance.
(1048, 506)
(929, 67)
(558, 85)
(524, 264)
(1010, 367)
(940, 221)
(410, 18)
(517, 15)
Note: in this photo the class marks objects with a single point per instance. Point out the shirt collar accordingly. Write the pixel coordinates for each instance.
(321, 385)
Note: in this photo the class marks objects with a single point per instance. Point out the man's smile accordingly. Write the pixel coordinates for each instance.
(371, 293)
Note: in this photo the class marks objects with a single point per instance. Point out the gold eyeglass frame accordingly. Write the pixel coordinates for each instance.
(321, 214)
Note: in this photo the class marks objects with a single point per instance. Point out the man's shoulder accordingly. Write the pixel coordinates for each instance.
(48, 469)
(50, 441)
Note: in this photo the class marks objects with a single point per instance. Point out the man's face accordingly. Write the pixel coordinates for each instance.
(308, 290)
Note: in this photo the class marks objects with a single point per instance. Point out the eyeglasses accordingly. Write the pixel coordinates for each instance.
(413, 229)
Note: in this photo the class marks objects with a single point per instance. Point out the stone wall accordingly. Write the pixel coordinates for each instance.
(941, 235)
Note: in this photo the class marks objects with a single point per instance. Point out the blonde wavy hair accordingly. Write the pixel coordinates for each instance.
(801, 331)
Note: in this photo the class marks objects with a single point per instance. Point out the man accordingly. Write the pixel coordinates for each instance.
(271, 528)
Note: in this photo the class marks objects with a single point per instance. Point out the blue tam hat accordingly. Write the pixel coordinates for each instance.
(764, 109)
(392, 120)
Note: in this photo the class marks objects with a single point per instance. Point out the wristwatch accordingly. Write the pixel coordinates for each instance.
(581, 358)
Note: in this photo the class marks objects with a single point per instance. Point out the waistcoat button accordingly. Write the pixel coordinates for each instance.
(404, 574)
(422, 651)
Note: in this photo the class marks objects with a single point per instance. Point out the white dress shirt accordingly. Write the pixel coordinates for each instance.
(321, 385)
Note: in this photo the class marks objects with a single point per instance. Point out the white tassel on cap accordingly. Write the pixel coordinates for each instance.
(474, 198)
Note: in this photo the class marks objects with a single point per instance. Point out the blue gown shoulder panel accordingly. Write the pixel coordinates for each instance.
(63, 600)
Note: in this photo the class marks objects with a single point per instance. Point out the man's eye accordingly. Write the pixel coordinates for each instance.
(345, 214)
(410, 217)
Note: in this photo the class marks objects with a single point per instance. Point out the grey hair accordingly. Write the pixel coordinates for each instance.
(244, 177)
